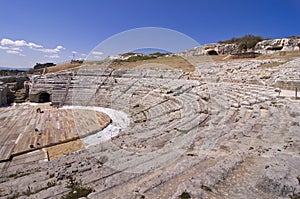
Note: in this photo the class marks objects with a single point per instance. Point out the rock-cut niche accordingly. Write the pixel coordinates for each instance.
(44, 97)
(212, 52)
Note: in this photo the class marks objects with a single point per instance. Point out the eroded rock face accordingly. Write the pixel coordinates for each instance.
(8, 86)
(197, 51)
(211, 49)
(3, 94)
(17, 80)
(227, 48)
(283, 44)
(266, 46)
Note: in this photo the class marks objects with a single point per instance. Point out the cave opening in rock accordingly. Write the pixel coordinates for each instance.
(44, 97)
(212, 52)
(275, 48)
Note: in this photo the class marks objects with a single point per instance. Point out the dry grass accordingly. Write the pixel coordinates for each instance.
(221, 58)
(288, 55)
(178, 63)
(285, 55)
(62, 67)
(186, 64)
(60, 150)
(272, 64)
(164, 62)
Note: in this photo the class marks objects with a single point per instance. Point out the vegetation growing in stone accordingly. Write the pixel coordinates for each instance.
(185, 195)
(77, 189)
(294, 37)
(245, 42)
(11, 72)
(28, 192)
(140, 57)
(136, 58)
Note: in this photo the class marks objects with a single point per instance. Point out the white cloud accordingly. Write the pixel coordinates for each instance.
(10, 46)
(4, 47)
(22, 43)
(9, 42)
(83, 55)
(52, 56)
(97, 53)
(60, 47)
(33, 45)
(12, 52)
(74, 52)
(11, 49)
(98, 57)
(49, 50)
(16, 49)
(15, 52)
(5, 42)
(45, 50)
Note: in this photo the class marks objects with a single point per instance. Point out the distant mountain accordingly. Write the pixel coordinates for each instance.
(20, 69)
(148, 51)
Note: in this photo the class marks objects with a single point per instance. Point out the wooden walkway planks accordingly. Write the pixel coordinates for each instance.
(24, 130)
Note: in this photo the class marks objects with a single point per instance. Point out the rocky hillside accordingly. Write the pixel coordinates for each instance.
(264, 47)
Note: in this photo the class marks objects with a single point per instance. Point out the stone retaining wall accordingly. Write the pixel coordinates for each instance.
(288, 84)
(3, 94)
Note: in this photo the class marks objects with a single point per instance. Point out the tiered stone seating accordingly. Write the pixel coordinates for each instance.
(184, 135)
(239, 94)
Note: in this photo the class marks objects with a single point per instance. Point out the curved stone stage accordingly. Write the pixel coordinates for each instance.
(25, 129)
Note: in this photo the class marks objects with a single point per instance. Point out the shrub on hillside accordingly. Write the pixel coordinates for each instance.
(245, 42)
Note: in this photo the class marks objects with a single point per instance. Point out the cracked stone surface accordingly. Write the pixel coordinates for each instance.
(221, 131)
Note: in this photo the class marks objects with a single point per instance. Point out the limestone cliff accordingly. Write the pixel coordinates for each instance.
(264, 47)
(283, 44)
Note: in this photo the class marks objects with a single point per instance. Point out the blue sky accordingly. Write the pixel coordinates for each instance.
(49, 30)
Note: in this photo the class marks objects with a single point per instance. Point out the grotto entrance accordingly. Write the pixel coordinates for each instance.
(44, 97)
(212, 52)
